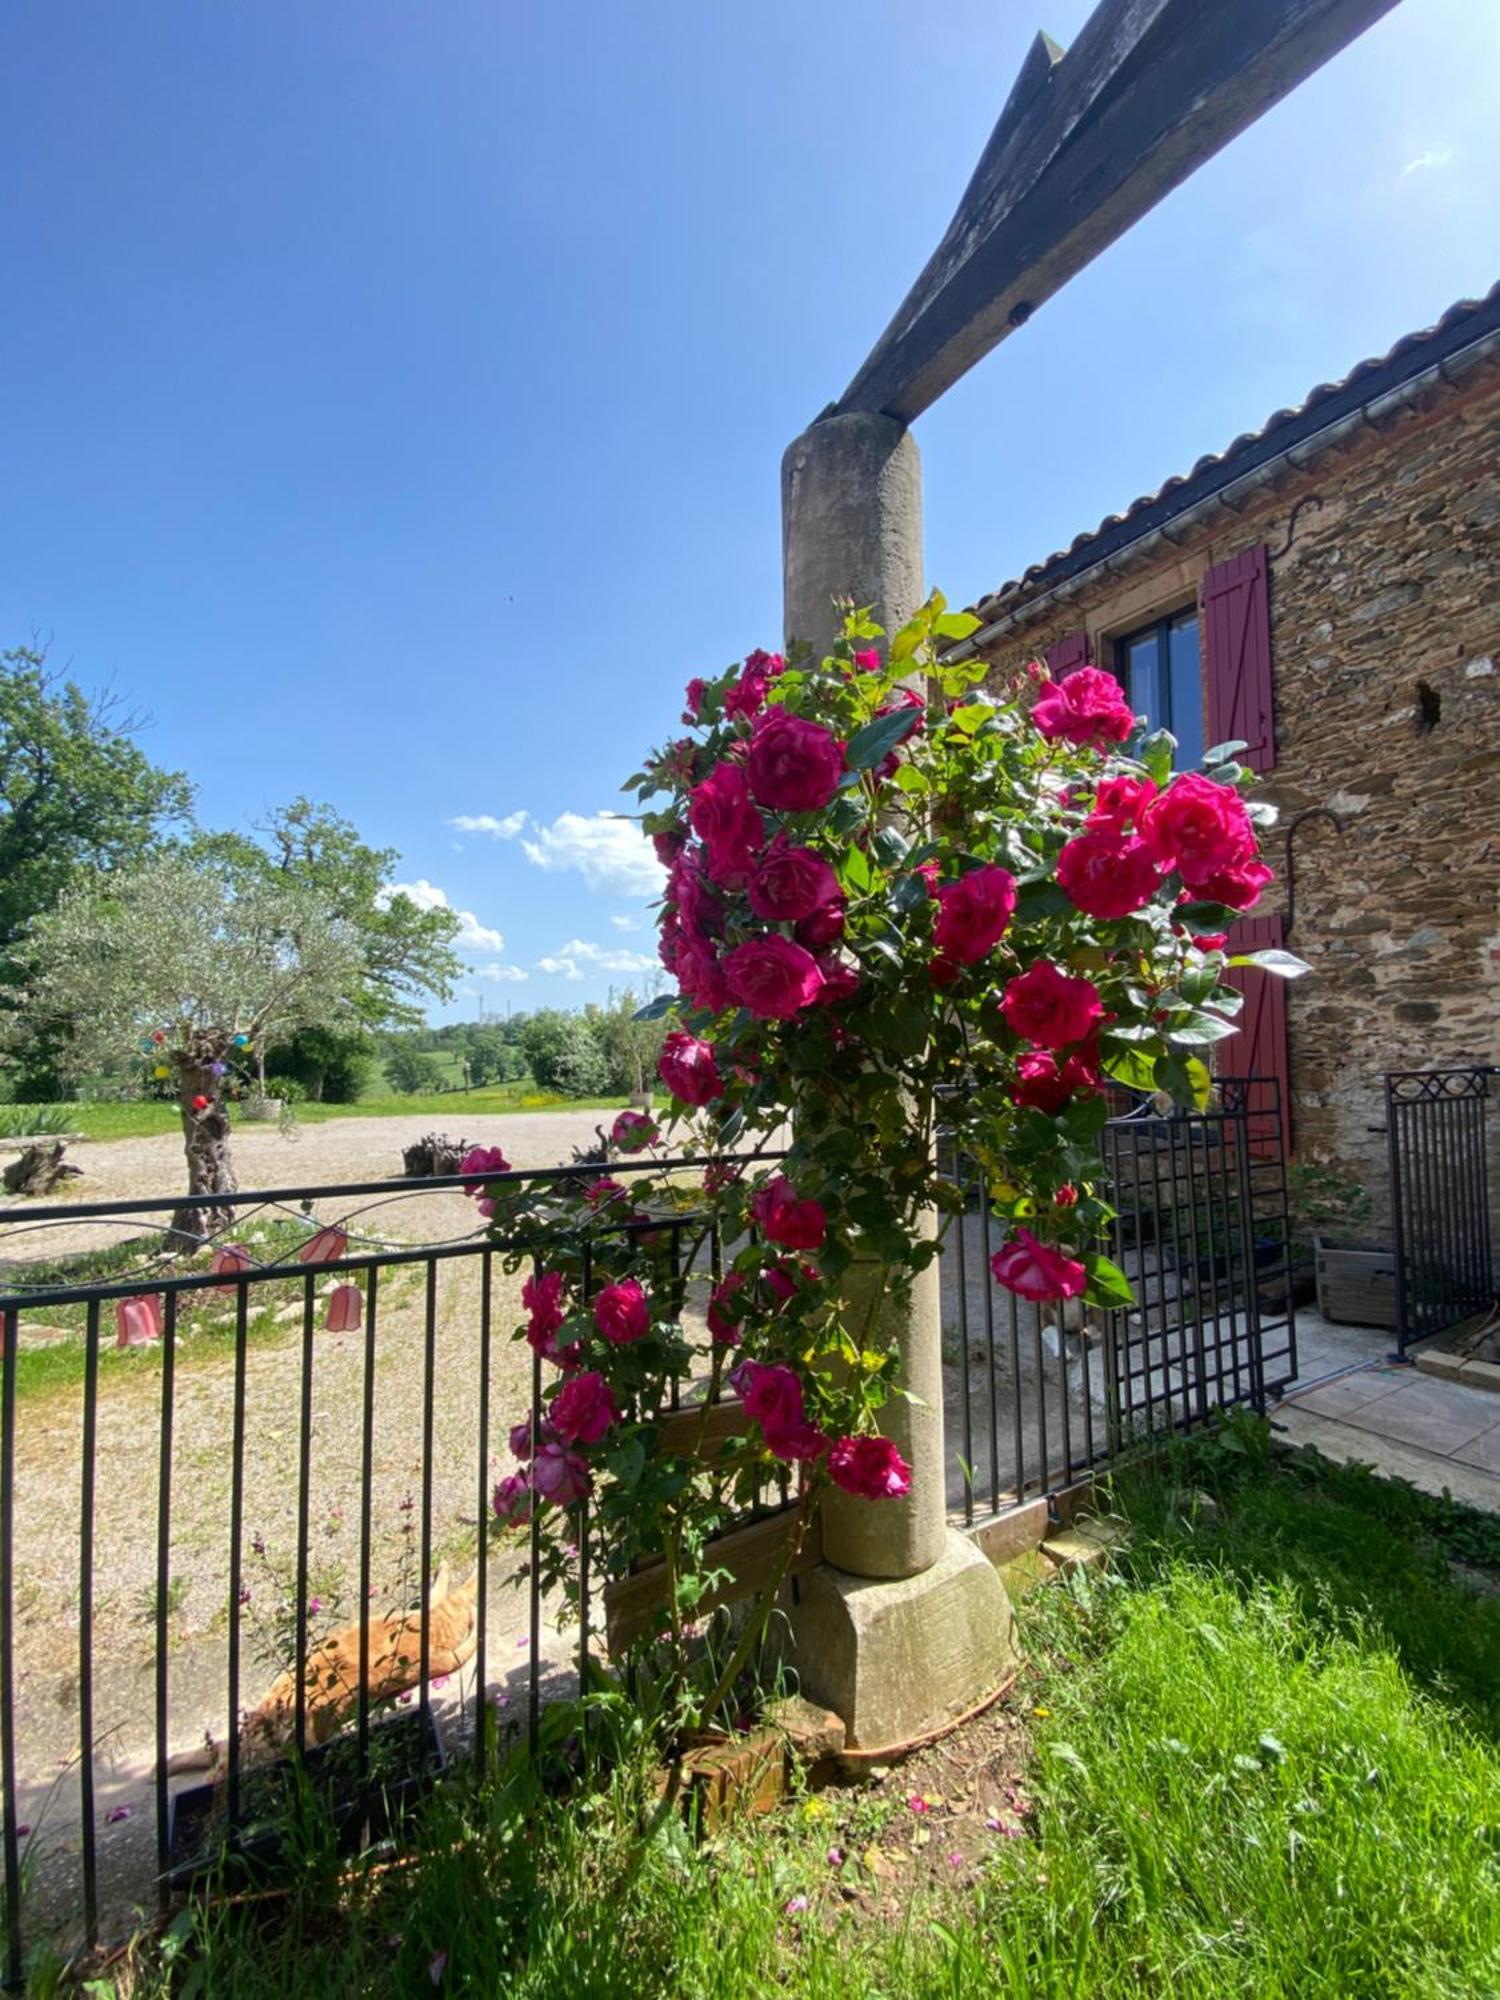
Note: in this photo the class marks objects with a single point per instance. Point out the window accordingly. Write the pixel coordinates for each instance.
(1159, 670)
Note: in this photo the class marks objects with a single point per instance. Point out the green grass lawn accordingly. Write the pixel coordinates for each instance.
(144, 1120)
(1262, 1763)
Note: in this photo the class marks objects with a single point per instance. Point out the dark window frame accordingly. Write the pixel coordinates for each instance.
(1162, 628)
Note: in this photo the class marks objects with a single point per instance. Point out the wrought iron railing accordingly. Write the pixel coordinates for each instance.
(134, 1365)
(1437, 1126)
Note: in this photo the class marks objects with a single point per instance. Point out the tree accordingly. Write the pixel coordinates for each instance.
(406, 950)
(631, 1046)
(173, 959)
(76, 793)
(412, 1071)
(564, 1054)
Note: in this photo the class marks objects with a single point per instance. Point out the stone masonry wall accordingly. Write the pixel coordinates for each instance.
(1385, 638)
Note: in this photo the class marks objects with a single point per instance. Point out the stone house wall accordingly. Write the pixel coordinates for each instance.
(1385, 648)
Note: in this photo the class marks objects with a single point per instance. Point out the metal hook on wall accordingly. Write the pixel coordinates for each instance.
(1307, 500)
(1300, 820)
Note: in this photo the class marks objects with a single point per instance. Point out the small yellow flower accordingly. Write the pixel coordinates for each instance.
(1041, 1714)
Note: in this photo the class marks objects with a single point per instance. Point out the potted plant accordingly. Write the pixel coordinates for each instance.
(1354, 1280)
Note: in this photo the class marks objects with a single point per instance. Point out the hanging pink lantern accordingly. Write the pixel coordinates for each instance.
(326, 1247)
(346, 1307)
(227, 1261)
(137, 1321)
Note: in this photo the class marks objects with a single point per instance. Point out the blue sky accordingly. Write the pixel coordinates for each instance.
(394, 395)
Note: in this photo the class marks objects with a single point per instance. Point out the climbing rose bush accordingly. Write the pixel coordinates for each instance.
(897, 905)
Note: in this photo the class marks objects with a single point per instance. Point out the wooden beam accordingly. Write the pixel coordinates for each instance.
(1088, 141)
(750, 1555)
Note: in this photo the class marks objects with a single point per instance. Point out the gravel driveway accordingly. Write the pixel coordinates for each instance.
(126, 1466)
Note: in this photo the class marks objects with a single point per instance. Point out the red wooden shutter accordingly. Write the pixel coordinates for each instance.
(1259, 1045)
(1071, 650)
(1237, 635)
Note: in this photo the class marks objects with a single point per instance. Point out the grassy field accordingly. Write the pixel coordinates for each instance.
(1259, 1761)
(145, 1120)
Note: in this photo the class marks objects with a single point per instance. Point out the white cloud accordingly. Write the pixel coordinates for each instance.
(616, 959)
(624, 923)
(561, 968)
(609, 852)
(502, 974)
(1435, 156)
(498, 829)
(472, 934)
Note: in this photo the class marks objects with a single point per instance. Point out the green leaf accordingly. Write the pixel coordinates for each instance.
(1222, 752)
(974, 717)
(1132, 1067)
(1210, 917)
(1157, 752)
(1108, 1284)
(1200, 1028)
(655, 1009)
(1285, 964)
(1186, 1080)
(890, 847)
(955, 625)
(871, 745)
(909, 778)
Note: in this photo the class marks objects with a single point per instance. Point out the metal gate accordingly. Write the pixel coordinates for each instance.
(1037, 1397)
(1436, 1122)
(1201, 1230)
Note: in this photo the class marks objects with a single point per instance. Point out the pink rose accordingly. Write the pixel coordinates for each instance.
(791, 882)
(773, 977)
(483, 1160)
(605, 1189)
(825, 926)
(700, 974)
(1045, 1006)
(688, 1069)
(512, 1499)
(1046, 1086)
(522, 1443)
(867, 660)
(667, 846)
(840, 978)
(1199, 828)
(583, 1409)
(1040, 1083)
(928, 870)
(794, 1224)
(697, 905)
(1107, 875)
(697, 688)
(747, 696)
(1239, 887)
(724, 1329)
(542, 1296)
(560, 1475)
(771, 1394)
(1087, 707)
(1120, 801)
(725, 820)
(632, 1130)
(973, 913)
(783, 1279)
(1036, 1271)
(798, 1444)
(622, 1312)
(793, 765)
(870, 1467)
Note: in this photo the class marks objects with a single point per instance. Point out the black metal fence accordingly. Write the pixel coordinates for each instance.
(1040, 1395)
(181, 1452)
(1437, 1132)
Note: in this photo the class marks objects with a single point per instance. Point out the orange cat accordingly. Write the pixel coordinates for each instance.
(330, 1675)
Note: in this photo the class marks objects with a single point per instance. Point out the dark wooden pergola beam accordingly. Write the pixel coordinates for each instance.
(1088, 141)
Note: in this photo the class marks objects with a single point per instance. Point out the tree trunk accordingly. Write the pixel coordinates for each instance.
(205, 1138)
(38, 1170)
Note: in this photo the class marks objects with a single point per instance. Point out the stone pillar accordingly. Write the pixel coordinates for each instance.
(905, 1623)
(851, 524)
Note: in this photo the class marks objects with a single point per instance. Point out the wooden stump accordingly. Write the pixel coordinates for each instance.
(39, 1169)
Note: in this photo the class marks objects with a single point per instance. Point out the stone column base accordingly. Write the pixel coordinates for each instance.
(896, 1659)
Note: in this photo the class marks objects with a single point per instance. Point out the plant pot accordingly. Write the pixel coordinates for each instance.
(260, 1110)
(1356, 1283)
(403, 1763)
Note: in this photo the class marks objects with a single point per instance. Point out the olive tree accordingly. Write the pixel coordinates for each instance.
(174, 957)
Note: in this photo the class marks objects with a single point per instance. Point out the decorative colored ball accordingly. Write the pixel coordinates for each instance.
(218, 1069)
(161, 1070)
(242, 1041)
(200, 1104)
(158, 1037)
